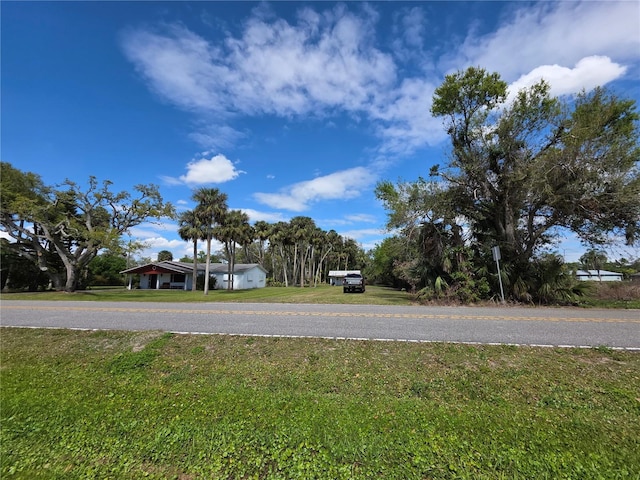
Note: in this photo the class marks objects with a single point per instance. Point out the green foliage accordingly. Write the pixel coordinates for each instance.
(520, 171)
(105, 270)
(236, 407)
(552, 282)
(383, 259)
(212, 206)
(61, 229)
(17, 272)
(165, 255)
(232, 230)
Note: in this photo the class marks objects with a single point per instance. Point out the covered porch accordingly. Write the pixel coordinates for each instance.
(162, 275)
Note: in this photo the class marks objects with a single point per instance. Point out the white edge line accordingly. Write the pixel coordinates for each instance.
(357, 339)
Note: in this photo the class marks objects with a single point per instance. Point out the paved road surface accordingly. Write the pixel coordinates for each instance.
(506, 325)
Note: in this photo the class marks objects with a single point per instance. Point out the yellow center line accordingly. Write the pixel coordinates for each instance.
(426, 316)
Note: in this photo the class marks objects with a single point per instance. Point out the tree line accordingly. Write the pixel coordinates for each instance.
(523, 169)
(296, 252)
(58, 233)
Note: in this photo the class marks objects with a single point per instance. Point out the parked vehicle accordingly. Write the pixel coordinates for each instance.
(353, 282)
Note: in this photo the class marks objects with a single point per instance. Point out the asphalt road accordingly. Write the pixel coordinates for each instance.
(500, 325)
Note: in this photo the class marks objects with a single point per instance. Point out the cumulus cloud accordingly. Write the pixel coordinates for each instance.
(588, 73)
(298, 197)
(217, 169)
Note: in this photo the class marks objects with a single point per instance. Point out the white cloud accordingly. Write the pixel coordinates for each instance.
(217, 169)
(273, 67)
(588, 73)
(213, 136)
(550, 33)
(343, 184)
(271, 217)
(405, 123)
(327, 62)
(179, 65)
(363, 233)
(361, 217)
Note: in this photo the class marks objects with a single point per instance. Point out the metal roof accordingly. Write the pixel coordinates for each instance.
(183, 267)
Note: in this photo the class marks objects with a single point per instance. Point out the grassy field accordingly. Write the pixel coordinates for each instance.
(152, 405)
(321, 294)
(616, 295)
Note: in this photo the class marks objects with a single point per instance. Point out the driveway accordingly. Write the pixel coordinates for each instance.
(499, 325)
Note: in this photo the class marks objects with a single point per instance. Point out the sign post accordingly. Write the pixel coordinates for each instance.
(496, 256)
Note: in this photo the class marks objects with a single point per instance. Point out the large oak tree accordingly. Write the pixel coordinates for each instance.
(62, 228)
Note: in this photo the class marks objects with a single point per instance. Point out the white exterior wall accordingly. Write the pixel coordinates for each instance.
(254, 278)
(604, 276)
(336, 277)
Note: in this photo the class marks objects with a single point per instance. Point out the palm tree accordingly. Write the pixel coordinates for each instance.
(212, 204)
(280, 242)
(303, 229)
(232, 230)
(594, 260)
(262, 232)
(190, 229)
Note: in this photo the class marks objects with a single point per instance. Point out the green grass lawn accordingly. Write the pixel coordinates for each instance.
(121, 405)
(603, 297)
(321, 294)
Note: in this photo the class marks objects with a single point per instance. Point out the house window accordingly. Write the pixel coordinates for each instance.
(178, 277)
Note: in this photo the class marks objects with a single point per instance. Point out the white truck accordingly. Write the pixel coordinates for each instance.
(353, 282)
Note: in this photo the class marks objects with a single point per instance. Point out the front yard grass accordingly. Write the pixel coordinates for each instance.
(79, 404)
(324, 294)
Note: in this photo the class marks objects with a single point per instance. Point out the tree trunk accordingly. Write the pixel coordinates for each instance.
(231, 263)
(284, 267)
(208, 267)
(72, 278)
(194, 280)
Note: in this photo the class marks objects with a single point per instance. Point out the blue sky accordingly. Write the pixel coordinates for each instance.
(291, 108)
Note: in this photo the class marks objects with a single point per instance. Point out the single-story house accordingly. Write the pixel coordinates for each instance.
(337, 276)
(598, 275)
(179, 275)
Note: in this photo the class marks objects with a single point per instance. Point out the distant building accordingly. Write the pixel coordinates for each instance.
(598, 276)
(337, 276)
(179, 275)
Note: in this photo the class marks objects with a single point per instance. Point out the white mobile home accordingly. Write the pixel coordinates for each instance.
(598, 276)
(337, 276)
